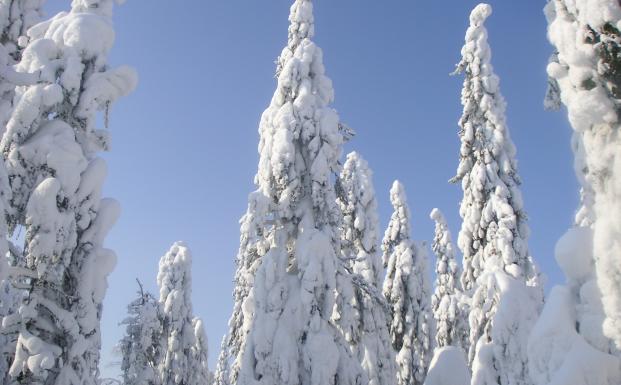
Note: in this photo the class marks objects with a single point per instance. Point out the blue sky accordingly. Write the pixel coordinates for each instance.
(185, 142)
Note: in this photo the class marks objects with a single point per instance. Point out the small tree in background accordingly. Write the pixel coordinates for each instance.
(142, 346)
(406, 288)
(199, 355)
(183, 360)
(221, 374)
(359, 247)
(448, 304)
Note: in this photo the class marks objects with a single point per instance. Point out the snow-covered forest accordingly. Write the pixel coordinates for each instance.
(324, 291)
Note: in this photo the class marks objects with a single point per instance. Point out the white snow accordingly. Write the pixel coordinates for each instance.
(448, 367)
(574, 253)
(558, 355)
(583, 31)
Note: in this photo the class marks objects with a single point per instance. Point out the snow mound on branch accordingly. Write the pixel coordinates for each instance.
(558, 355)
(516, 311)
(448, 367)
(574, 253)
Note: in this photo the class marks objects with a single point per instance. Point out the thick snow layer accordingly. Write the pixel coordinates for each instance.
(505, 309)
(574, 253)
(51, 144)
(558, 355)
(448, 367)
(586, 33)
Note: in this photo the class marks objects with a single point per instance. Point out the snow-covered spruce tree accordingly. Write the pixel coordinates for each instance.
(183, 358)
(142, 345)
(578, 335)
(448, 304)
(359, 246)
(499, 274)
(587, 37)
(360, 228)
(222, 372)
(199, 352)
(51, 145)
(406, 288)
(286, 329)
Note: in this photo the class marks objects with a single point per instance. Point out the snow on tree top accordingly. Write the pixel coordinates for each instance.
(399, 227)
(480, 13)
(102, 7)
(397, 194)
(302, 22)
(437, 216)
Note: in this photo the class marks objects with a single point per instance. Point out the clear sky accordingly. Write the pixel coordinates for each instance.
(185, 142)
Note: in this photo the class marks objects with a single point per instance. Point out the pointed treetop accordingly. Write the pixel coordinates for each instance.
(359, 233)
(397, 194)
(301, 27)
(357, 167)
(302, 22)
(399, 227)
(175, 275)
(437, 216)
(476, 53)
(479, 14)
(447, 269)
